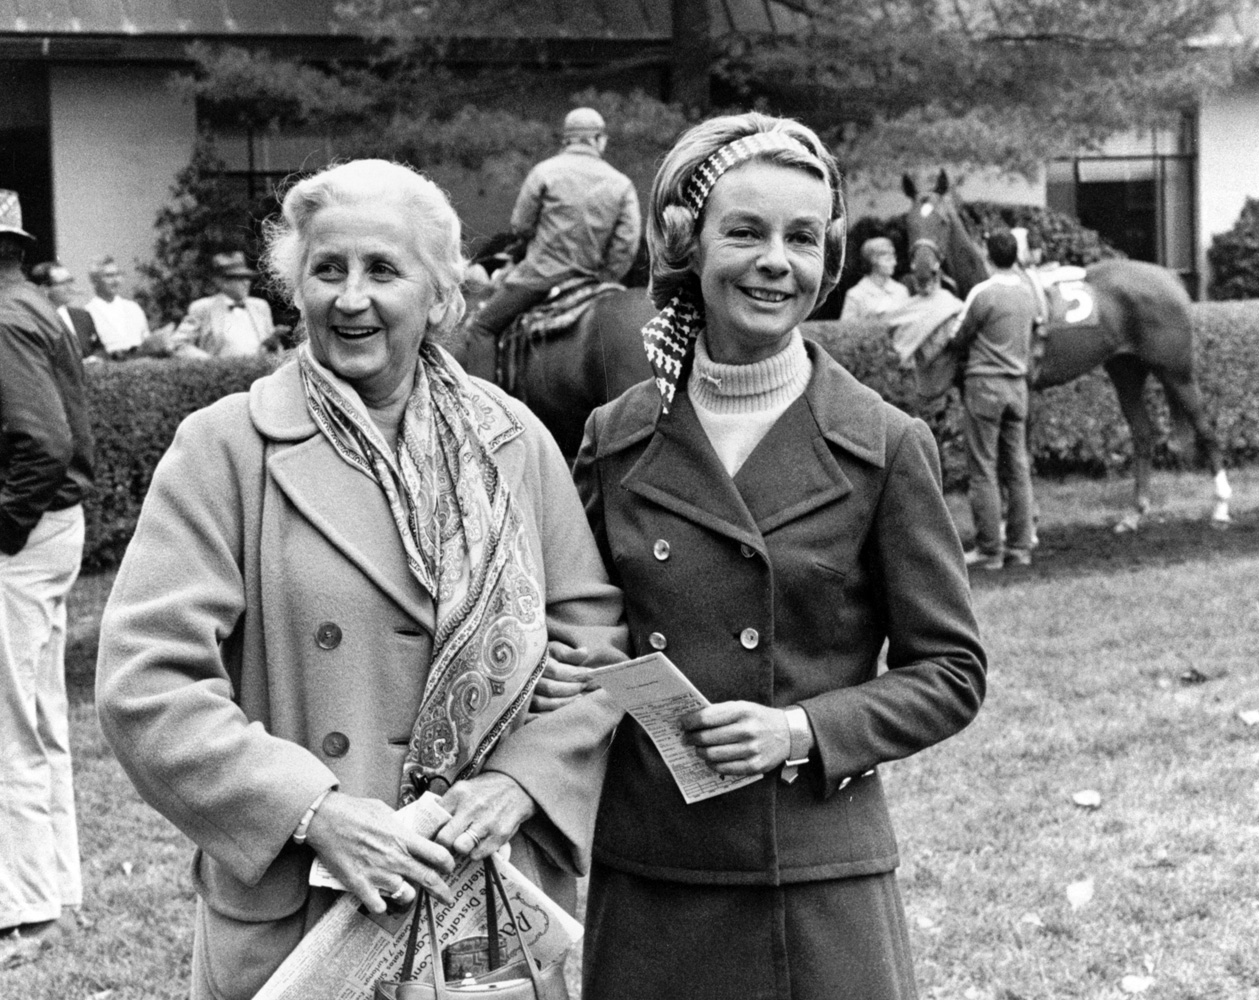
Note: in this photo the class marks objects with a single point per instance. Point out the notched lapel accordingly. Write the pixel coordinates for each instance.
(791, 472)
(680, 471)
(350, 510)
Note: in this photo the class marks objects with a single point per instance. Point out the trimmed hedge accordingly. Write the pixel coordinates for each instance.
(136, 407)
(1077, 428)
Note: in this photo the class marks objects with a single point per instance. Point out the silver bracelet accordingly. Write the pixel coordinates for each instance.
(299, 835)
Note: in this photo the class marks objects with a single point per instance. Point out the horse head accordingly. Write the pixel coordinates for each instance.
(935, 217)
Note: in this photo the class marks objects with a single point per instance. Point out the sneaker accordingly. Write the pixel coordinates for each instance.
(983, 560)
(1018, 557)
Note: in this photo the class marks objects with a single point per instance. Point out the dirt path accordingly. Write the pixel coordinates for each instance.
(1077, 550)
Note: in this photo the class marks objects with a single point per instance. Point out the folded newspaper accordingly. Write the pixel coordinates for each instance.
(657, 694)
(347, 951)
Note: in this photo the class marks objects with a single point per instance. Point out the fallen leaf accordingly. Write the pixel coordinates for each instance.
(1032, 920)
(926, 923)
(972, 993)
(1136, 984)
(127, 868)
(1087, 799)
(1080, 893)
(1164, 683)
(1251, 717)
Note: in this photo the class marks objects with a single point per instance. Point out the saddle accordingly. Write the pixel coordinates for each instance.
(557, 315)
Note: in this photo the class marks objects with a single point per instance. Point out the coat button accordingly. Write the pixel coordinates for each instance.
(661, 549)
(328, 635)
(336, 744)
(657, 640)
(750, 638)
(746, 551)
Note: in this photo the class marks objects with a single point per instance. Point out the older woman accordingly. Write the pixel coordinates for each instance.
(339, 594)
(772, 524)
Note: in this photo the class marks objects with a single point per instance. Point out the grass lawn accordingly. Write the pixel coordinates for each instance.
(1128, 684)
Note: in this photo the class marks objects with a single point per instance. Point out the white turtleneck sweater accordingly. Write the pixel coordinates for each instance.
(738, 404)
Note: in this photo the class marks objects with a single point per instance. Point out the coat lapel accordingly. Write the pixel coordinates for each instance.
(341, 503)
(680, 471)
(791, 472)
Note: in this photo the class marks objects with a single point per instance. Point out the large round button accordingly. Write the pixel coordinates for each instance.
(661, 549)
(328, 635)
(336, 744)
(746, 551)
(750, 638)
(657, 640)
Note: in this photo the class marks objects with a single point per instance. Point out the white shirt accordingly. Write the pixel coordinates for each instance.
(120, 323)
(240, 336)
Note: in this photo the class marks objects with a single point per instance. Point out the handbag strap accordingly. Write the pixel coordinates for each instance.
(493, 882)
(535, 974)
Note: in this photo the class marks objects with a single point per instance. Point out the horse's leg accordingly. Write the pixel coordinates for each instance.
(1185, 402)
(1128, 375)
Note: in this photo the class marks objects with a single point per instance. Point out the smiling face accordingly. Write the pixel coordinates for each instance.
(760, 258)
(368, 297)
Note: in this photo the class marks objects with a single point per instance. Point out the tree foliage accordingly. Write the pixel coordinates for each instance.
(904, 83)
(1234, 257)
(894, 85)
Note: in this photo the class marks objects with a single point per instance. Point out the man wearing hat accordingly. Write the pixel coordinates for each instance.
(230, 324)
(45, 471)
(878, 293)
(56, 281)
(580, 218)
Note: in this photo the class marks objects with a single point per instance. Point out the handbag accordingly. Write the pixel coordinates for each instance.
(523, 979)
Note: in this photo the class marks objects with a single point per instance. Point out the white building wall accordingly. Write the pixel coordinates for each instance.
(1228, 161)
(119, 136)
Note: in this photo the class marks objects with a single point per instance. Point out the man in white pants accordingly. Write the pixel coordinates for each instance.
(45, 470)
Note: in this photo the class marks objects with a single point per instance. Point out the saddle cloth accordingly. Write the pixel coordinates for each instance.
(563, 306)
(555, 316)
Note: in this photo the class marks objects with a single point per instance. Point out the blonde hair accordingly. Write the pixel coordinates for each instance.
(438, 235)
(673, 228)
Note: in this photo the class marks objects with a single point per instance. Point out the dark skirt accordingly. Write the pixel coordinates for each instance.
(841, 939)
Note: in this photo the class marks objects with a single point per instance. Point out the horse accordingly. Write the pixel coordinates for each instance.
(562, 377)
(1130, 317)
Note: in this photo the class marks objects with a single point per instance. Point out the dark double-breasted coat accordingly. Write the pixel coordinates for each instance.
(778, 586)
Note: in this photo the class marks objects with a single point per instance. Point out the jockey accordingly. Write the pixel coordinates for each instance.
(580, 217)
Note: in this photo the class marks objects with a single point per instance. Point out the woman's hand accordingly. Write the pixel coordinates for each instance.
(564, 678)
(486, 811)
(739, 738)
(375, 856)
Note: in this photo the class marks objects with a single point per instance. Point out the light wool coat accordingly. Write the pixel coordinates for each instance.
(265, 640)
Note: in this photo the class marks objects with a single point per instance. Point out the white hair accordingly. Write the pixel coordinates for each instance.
(438, 235)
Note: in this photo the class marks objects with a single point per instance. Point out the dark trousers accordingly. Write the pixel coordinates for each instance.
(508, 302)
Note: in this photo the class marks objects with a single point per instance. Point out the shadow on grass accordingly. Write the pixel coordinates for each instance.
(1079, 550)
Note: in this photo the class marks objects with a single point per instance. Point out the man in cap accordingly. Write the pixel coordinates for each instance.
(878, 293)
(45, 471)
(56, 281)
(229, 324)
(120, 322)
(580, 218)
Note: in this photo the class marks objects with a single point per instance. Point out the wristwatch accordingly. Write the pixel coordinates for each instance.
(801, 742)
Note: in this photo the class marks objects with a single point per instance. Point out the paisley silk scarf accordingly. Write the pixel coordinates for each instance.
(465, 543)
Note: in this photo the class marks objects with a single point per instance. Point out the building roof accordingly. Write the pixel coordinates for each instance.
(645, 20)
